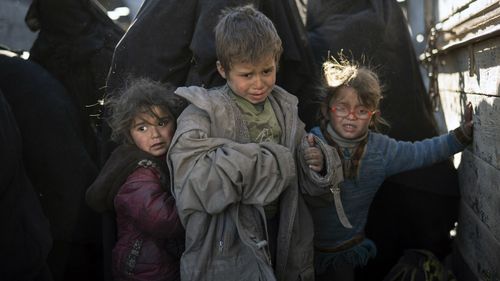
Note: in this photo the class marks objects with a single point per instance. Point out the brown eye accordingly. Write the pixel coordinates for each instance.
(267, 71)
(163, 122)
(362, 111)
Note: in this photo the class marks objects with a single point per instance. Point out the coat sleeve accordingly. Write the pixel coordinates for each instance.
(311, 182)
(210, 173)
(403, 156)
(150, 208)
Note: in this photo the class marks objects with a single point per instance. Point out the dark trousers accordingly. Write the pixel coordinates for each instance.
(342, 272)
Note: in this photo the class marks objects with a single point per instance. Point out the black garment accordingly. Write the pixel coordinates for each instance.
(75, 44)
(377, 30)
(25, 238)
(297, 71)
(174, 41)
(375, 33)
(100, 195)
(342, 272)
(56, 162)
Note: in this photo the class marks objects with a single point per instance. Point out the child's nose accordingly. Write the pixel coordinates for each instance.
(352, 115)
(155, 132)
(258, 83)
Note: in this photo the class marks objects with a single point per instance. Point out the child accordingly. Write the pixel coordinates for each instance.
(134, 183)
(233, 164)
(349, 119)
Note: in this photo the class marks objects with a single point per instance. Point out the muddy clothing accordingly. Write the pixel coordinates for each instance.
(381, 158)
(150, 234)
(221, 182)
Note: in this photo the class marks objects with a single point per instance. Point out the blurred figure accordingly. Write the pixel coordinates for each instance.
(75, 44)
(25, 240)
(57, 164)
(172, 41)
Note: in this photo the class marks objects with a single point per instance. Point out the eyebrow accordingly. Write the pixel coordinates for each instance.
(140, 123)
(162, 118)
(166, 117)
(243, 72)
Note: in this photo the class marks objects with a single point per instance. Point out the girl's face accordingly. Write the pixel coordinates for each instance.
(347, 116)
(153, 135)
(251, 81)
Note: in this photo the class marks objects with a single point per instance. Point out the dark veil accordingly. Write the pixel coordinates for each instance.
(173, 41)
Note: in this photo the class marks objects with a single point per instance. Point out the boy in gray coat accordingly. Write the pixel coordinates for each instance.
(233, 160)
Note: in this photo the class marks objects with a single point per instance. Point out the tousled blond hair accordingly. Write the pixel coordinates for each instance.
(342, 72)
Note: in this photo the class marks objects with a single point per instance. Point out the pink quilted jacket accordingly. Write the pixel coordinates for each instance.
(150, 234)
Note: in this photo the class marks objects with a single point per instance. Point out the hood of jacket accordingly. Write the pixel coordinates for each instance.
(122, 162)
(218, 105)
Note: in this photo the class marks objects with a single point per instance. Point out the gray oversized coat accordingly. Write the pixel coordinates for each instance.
(221, 181)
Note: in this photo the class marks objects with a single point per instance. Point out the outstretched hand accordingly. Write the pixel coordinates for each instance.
(468, 124)
(313, 155)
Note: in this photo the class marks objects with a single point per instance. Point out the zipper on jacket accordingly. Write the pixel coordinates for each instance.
(267, 253)
(131, 259)
(263, 245)
(221, 239)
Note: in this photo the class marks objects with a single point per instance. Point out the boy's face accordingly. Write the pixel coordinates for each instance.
(346, 101)
(153, 135)
(251, 81)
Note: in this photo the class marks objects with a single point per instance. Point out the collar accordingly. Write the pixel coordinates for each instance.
(255, 108)
(343, 142)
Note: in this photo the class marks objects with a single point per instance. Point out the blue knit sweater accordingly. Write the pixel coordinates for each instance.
(383, 157)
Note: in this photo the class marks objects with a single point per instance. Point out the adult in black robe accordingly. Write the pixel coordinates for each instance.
(56, 163)
(25, 238)
(174, 41)
(75, 44)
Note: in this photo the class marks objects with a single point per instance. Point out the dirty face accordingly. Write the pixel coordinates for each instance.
(347, 115)
(153, 134)
(251, 81)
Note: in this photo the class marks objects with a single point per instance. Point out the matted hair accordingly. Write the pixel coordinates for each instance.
(344, 72)
(140, 96)
(243, 34)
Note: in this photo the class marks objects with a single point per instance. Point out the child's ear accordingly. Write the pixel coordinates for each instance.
(220, 69)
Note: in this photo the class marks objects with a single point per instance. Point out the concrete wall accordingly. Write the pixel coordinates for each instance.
(469, 70)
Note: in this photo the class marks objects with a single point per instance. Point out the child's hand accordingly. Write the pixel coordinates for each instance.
(467, 126)
(313, 155)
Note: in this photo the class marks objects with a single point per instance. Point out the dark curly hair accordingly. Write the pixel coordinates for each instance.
(140, 96)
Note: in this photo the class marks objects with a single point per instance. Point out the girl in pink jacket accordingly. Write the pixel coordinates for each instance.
(134, 183)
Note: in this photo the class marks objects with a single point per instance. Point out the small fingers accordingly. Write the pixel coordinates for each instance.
(468, 112)
(316, 168)
(309, 153)
(310, 140)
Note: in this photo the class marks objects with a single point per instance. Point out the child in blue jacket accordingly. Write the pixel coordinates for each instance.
(349, 121)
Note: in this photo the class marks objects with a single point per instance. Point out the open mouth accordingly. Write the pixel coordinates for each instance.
(258, 95)
(349, 127)
(158, 145)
